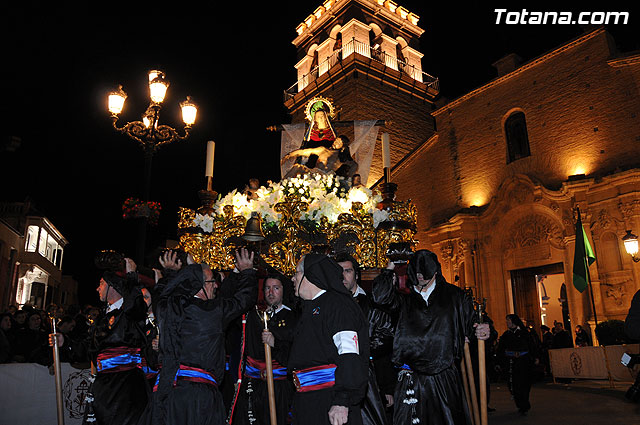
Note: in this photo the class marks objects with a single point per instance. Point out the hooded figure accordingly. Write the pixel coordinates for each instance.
(433, 320)
(330, 350)
(191, 321)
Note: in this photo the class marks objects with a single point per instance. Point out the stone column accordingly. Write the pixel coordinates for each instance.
(466, 246)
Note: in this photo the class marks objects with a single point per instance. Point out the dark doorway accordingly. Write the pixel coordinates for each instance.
(524, 287)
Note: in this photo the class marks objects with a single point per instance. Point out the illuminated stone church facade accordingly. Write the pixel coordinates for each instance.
(498, 184)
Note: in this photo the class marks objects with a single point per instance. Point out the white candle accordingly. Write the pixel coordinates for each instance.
(386, 155)
(211, 148)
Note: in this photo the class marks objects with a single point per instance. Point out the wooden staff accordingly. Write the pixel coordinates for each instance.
(270, 389)
(465, 385)
(472, 384)
(58, 373)
(482, 371)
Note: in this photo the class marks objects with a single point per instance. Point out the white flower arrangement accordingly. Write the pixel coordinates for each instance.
(328, 196)
(205, 222)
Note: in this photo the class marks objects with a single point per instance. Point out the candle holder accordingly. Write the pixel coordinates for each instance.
(207, 198)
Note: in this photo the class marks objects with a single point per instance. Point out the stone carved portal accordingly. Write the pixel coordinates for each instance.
(533, 230)
(530, 238)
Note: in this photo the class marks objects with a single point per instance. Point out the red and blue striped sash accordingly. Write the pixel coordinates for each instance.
(258, 369)
(118, 359)
(193, 374)
(314, 378)
(149, 373)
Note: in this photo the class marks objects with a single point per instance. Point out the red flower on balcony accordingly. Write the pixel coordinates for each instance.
(133, 208)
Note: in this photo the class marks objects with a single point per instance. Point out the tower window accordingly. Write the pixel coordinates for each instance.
(515, 129)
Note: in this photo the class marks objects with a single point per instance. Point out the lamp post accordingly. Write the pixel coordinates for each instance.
(149, 133)
(631, 245)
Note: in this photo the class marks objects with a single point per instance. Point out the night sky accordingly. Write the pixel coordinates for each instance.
(60, 61)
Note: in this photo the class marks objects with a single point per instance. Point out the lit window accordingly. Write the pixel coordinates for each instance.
(515, 129)
(42, 246)
(32, 239)
(52, 249)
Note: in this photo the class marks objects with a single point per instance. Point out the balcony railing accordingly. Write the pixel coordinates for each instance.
(362, 49)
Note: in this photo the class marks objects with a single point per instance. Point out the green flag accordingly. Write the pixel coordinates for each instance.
(582, 258)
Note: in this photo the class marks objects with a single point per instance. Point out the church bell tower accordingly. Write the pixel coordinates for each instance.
(364, 55)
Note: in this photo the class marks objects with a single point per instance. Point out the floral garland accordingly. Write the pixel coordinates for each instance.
(133, 207)
(328, 196)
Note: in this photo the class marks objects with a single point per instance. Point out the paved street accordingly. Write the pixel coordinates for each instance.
(581, 402)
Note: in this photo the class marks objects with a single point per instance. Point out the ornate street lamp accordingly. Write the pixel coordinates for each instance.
(148, 132)
(631, 245)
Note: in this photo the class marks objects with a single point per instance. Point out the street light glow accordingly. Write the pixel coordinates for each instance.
(154, 73)
(630, 243)
(158, 89)
(189, 111)
(116, 100)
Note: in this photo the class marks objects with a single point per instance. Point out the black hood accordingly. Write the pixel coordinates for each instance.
(188, 282)
(426, 263)
(324, 272)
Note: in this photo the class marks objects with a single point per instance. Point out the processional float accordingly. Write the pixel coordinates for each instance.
(316, 210)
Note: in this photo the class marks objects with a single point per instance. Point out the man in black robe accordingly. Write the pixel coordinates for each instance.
(119, 393)
(253, 398)
(518, 354)
(381, 370)
(330, 350)
(434, 320)
(632, 321)
(191, 320)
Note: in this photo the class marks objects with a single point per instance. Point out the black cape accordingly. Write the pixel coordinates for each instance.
(192, 334)
(119, 397)
(380, 367)
(313, 345)
(253, 401)
(429, 339)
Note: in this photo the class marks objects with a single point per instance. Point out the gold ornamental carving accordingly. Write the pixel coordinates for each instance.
(284, 254)
(366, 243)
(210, 247)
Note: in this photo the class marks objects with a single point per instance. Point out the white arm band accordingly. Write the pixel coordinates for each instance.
(346, 342)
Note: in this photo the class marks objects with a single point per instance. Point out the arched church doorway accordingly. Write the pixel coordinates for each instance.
(540, 296)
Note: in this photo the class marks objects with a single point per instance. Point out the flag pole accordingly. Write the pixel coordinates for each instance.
(588, 274)
(593, 303)
(582, 259)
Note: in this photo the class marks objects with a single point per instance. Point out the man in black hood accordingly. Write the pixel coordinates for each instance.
(434, 320)
(191, 321)
(330, 350)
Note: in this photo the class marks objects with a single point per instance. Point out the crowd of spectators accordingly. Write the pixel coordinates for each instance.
(24, 333)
